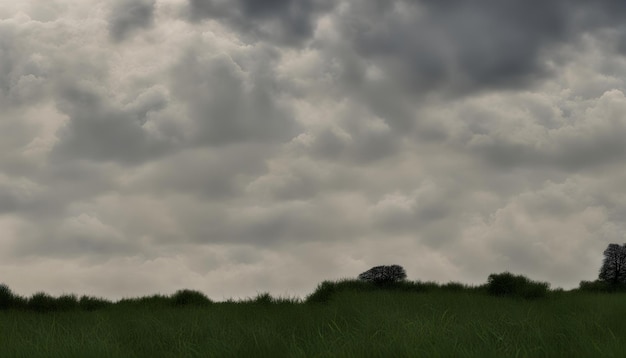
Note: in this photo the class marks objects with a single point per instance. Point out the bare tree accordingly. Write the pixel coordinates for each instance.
(383, 274)
(613, 269)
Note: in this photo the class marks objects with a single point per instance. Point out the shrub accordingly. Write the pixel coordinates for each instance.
(42, 302)
(591, 286)
(67, 302)
(189, 298)
(600, 286)
(382, 275)
(619, 287)
(20, 302)
(507, 284)
(7, 300)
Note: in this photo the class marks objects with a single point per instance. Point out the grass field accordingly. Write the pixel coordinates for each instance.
(347, 322)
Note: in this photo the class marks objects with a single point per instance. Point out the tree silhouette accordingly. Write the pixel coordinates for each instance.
(383, 274)
(613, 269)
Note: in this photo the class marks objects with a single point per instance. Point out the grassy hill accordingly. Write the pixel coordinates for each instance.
(345, 318)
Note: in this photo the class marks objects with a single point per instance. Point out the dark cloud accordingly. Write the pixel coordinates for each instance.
(287, 22)
(459, 47)
(454, 45)
(100, 131)
(314, 139)
(130, 15)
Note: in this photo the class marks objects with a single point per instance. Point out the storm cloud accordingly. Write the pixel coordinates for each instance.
(236, 147)
(287, 22)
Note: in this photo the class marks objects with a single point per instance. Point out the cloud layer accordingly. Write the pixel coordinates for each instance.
(237, 147)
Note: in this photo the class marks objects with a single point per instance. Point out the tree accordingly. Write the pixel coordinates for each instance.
(383, 274)
(613, 269)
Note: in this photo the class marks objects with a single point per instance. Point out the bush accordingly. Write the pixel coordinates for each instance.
(42, 302)
(600, 286)
(7, 300)
(507, 284)
(67, 302)
(189, 298)
(620, 287)
(20, 302)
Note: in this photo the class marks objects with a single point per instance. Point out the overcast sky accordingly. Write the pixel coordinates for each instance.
(241, 146)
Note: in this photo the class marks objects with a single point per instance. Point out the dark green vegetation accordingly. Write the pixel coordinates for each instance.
(509, 316)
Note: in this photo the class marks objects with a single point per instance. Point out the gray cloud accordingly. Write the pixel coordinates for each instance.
(230, 103)
(129, 15)
(361, 141)
(288, 22)
(98, 131)
(207, 173)
(10, 200)
(7, 62)
(455, 46)
(22, 74)
(265, 146)
(591, 139)
(452, 47)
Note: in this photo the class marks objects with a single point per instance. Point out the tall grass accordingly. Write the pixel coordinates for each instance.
(344, 318)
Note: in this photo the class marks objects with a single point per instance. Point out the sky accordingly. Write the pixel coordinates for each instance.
(238, 147)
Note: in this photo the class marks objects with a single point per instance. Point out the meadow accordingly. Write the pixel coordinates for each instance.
(345, 318)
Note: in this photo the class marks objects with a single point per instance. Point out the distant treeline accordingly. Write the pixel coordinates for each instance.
(612, 278)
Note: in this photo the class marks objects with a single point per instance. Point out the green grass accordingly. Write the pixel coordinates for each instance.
(353, 320)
